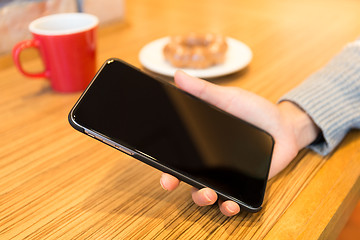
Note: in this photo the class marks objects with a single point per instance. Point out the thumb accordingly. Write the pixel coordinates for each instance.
(211, 93)
(236, 101)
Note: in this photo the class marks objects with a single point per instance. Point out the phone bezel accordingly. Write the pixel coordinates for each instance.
(143, 157)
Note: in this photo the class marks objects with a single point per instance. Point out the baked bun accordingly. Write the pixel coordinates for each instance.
(196, 50)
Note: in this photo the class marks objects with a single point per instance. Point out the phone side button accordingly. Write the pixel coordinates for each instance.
(124, 150)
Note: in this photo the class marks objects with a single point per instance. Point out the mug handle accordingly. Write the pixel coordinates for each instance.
(18, 48)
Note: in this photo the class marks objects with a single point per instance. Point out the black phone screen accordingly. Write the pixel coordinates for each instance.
(185, 134)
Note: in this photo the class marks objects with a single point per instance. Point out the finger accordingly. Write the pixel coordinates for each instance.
(243, 104)
(169, 182)
(229, 208)
(207, 91)
(204, 196)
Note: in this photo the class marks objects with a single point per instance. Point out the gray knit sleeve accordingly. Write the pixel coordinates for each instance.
(331, 97)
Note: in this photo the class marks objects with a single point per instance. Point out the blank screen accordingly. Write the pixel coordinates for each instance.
(179, 131)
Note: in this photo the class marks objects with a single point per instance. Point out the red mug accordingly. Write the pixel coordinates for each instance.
(67, 46)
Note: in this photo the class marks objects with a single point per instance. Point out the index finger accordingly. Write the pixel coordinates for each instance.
(169, 182)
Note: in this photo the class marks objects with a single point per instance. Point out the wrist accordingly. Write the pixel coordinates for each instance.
(300, 123)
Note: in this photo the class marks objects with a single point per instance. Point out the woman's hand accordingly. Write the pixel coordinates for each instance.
(291, 128)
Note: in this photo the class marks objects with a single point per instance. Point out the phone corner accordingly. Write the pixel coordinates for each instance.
(73, 123)
(251, 209)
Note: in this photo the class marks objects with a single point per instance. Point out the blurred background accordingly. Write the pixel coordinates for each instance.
(15, 16)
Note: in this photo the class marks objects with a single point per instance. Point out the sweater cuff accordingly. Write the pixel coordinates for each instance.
(331, 97)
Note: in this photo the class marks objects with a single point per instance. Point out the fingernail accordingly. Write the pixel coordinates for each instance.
(162, 185)
(207, 197)
(231, 208)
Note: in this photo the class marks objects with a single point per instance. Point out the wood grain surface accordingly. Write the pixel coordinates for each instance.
(56, 183)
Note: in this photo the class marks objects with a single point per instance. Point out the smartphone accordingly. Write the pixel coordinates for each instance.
(157, 123)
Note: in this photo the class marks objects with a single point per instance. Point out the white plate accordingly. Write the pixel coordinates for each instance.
(238, 56)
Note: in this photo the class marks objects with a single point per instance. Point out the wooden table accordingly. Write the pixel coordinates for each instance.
(57, 183)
